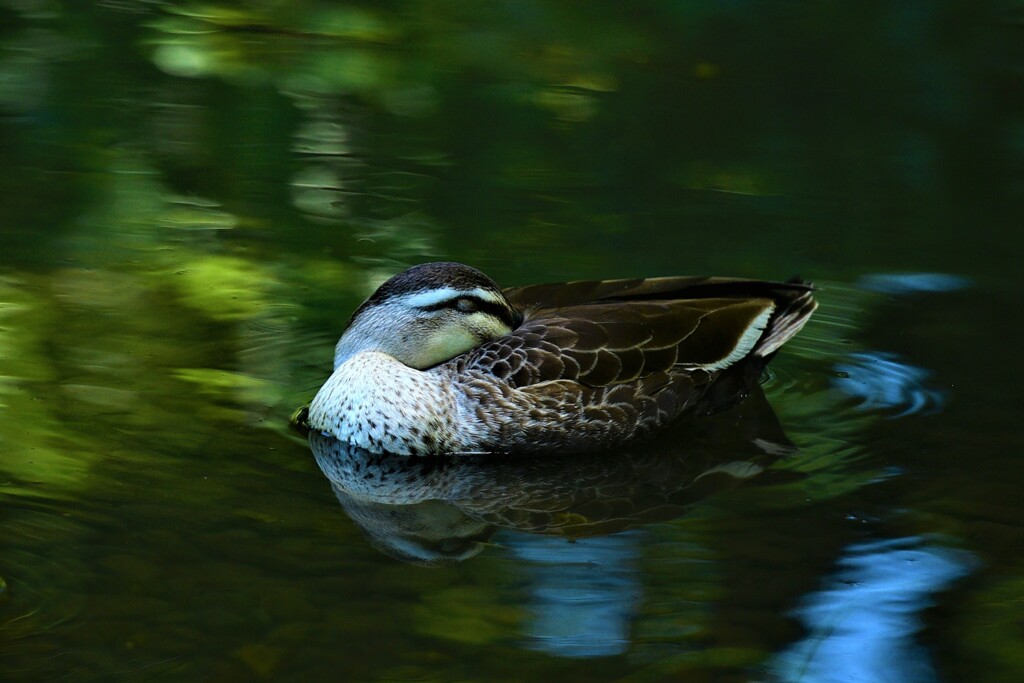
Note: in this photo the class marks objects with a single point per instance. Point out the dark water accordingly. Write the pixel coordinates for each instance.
(194, 197)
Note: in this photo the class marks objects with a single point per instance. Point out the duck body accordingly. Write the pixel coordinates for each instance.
(440, 360)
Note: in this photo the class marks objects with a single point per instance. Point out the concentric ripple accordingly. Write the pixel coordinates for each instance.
(884, 382)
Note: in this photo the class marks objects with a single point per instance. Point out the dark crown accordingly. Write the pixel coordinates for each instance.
(431, 276)
(428, 276)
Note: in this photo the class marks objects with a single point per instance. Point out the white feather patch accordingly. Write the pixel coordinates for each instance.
(747, 341)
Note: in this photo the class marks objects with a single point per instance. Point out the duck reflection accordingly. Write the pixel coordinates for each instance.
(441, 510)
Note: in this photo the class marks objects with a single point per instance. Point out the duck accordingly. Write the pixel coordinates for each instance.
(441, 360)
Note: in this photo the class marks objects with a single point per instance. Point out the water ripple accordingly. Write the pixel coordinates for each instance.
(883, 382)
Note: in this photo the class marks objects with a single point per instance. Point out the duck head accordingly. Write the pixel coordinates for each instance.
(428, 314)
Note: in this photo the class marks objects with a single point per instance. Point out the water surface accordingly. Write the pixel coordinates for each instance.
(194, 197)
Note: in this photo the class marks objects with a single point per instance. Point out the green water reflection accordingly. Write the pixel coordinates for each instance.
(194, 197)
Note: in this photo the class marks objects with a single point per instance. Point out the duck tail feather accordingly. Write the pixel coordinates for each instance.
(790, 316)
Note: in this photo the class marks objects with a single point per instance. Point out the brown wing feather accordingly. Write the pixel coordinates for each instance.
(596, 363)
(561, 294)
(606, 344)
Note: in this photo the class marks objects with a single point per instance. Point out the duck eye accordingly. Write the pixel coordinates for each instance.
(466, 305)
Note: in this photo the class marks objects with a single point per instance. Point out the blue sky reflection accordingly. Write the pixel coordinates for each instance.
(583, 594)
(862, 625)
(883, 381)
(912, 283)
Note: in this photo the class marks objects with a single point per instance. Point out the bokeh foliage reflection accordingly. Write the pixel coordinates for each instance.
(194, 196)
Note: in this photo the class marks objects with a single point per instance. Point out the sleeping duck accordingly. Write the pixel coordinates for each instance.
(441, 360)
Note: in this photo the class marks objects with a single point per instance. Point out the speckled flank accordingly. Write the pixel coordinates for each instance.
(377, 403)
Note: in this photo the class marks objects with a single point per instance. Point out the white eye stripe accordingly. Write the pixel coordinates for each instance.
(432, 297)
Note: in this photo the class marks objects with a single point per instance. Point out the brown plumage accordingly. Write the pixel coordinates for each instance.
(568, 366)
